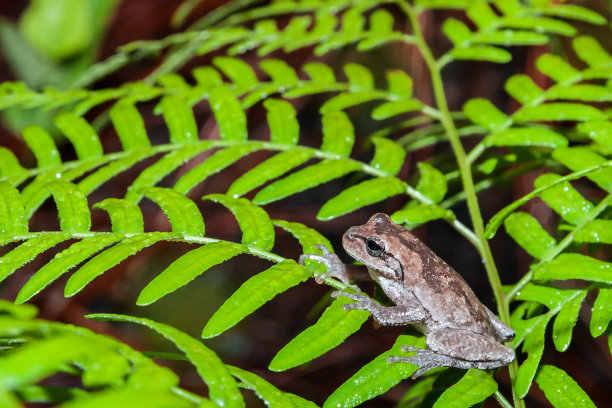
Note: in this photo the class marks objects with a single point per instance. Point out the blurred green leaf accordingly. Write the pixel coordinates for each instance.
(432, 183)
(526, 136)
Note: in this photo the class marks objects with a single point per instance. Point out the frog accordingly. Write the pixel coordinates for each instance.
(428, 294)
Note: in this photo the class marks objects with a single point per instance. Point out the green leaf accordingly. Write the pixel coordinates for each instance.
(484, 113)
(63, 262)
(229, 114)
(388, 156)
(575, 266)
(94, 180)
(129, 125)
(360, 195)
(45, 395)
(566, 320)
(12, 213)
(319, 73)
(457, 31)
(563, 198)
(421, 213)
(72, 208)
(164, 166)
(376, 377)
(332, 328)
(126, 217)
(284, 127)
(104, 368)
(581, 92)
(179, 119)
(558, 111)
(270, 395)
(359, 77)
(237, 70)
(596, 231)
(579, 158)
(400, 83)
(187, 268)
(309, 239)
(254, 222)
(212, 165)
(556, 68)
(9, 165)
(390, 109)
(42, 145)
(432, 182)
(529, 234)
(222, 388)
(523, 89)
(482, 53)
(183, 214)
(591, 52)
(38, 360)
(27, 251)
(338, 134)
(129, 397)
(304, 179)
(207, 77)
(550, 296)
(253, 294)
(534, 346)
(82, 136)
(510, 38)
(601, 313)
(279, 71)
(482, 15)
(272, 168)
(349, 99)
(598, 131)
(111, 257)
(474, 387)
(527, 136)
(560, 389)
(539, 24)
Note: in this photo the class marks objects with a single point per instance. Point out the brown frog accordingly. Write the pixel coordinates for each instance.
(428, 294)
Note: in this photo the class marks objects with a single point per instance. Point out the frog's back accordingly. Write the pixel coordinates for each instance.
(442, 291)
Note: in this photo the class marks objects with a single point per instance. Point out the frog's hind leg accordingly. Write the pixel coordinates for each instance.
(459, 349)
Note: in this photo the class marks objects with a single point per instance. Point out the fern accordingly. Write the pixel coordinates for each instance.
(113, 373)
(535, 137)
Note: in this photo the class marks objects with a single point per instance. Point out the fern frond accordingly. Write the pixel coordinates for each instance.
(111, 372)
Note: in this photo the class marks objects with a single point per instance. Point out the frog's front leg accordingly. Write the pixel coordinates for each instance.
(335, 267)
(410, 312)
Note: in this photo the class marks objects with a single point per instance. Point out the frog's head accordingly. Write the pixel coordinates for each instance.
(378, 244)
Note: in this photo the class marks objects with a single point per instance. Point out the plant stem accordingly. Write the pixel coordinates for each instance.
(502, 400)
(466, 176)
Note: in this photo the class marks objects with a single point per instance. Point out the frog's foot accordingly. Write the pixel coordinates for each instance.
(424, 359)
(335, 267)
(362, 302)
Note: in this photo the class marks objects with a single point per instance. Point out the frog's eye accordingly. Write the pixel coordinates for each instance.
(374, 247)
